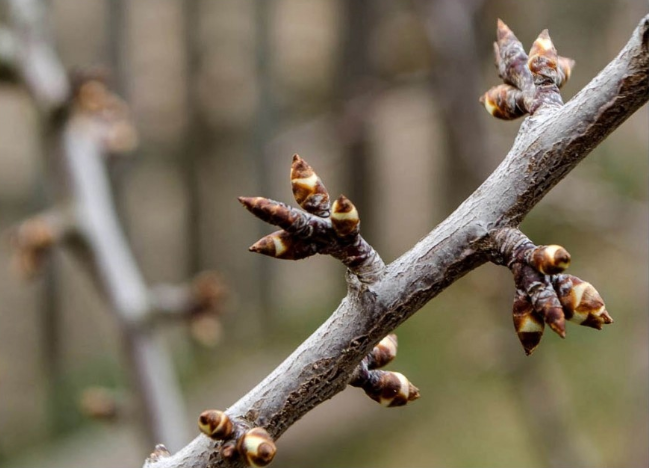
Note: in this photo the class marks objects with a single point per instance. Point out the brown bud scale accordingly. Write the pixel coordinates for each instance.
(344, 217)
(528, 323)
(308, 189)
(256, 447)
(215, 424)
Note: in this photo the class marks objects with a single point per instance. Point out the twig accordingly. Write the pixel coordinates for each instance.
(550, 144)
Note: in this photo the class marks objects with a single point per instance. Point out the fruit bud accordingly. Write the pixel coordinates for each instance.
(565, 69)
(308, 189)
(281, 244)
(581, 302)
(549, 259)
(528, 323)
(159, 452)
(257, 447)
(504, 102)
(383, 353)
(543, 59)
(344, 217)
(390, 389)
(273, 212)
(215, 424)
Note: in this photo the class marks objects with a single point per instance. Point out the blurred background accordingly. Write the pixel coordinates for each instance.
(223, 94)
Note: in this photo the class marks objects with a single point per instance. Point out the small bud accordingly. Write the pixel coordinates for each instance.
(257, 447)
(99, 403)
(383, 353)
(344, 217)
(581, 302)
(549, 259)
(308, 189)
(159, 452)
(229, 450)
(281, 244)
(31, 241)
(565, 69)
(543, 59)
(390, 389)
(208, 292)
(272, 212)
(528, 323)
(92, 95)
(206, 329)
(504, 102)
(215, 424)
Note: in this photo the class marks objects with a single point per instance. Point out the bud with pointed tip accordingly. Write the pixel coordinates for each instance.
(273, 212)
(308, 189)
(256, 447)
(528, 323)
(281, 244)
(511, 58)
(344, 217)
(215, 424)
(543, 59)
(549, 259)
(383, 353)
(390, 388)
(504, 102)
(581, 302)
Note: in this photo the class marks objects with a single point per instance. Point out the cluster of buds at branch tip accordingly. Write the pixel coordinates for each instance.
(530, 82)
(322, 228)
(108, 115)
(255, 446)
(386, 387)
(543, 294)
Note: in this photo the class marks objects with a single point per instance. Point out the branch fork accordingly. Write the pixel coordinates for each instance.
(543, 293)
(322, 228)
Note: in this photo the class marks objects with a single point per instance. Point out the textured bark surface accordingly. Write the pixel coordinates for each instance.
(549, 145)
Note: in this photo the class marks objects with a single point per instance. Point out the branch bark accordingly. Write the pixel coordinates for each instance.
(549, 145)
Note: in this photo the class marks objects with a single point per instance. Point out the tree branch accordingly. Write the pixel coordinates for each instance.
(549, 145)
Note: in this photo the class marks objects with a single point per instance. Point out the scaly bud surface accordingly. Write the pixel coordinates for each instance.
(344, 217)
(581, 302)
(257, 447)
(383, 353)
(215, 424)
(528, 323)
(308, 189)
(549, 259)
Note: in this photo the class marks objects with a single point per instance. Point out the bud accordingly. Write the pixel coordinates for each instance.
(208, 292)
(383, 353)
(281, 244)
(99, 403)
(511, 58)
(32, 241)
(565, 70)
(390, 388)
(344, 217)
(528, 323)
(581, 302)
(256, 447)
(273, 212)
(215, 424)
(543, 60)
(549, 259)
(308, 189)
(159, 452)
(504, 102)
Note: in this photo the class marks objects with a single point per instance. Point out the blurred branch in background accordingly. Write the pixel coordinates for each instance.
(88, 122)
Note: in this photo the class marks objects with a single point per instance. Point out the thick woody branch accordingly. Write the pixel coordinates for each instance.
(549, 145)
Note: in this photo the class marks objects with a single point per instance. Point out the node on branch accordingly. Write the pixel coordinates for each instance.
(320, 229)
(531, 82)
(543, 294)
